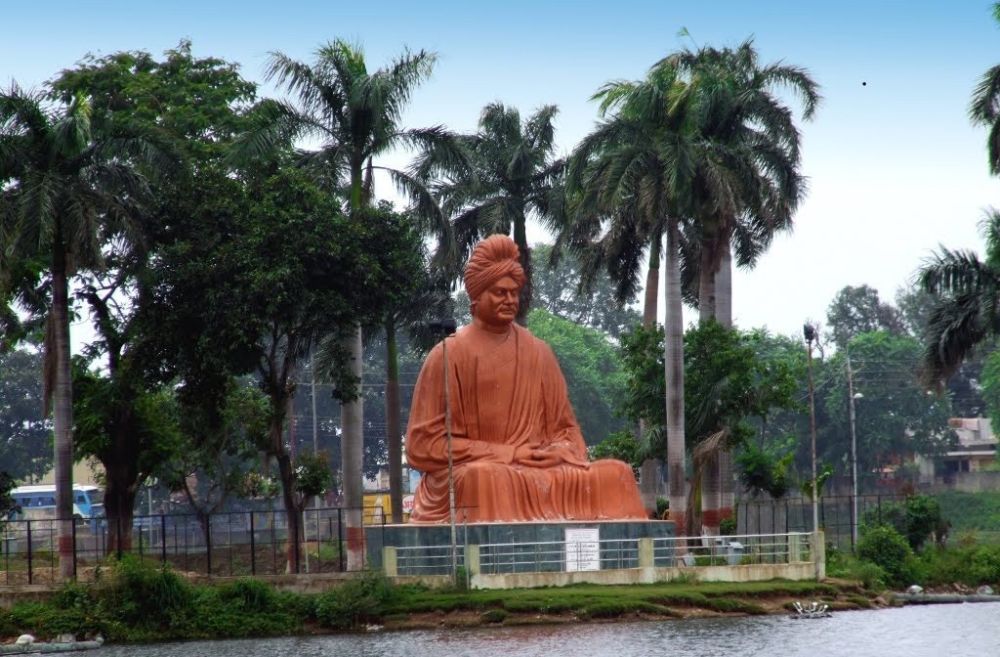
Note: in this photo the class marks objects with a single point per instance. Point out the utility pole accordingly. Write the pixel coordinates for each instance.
(854, 453)
(809, 331)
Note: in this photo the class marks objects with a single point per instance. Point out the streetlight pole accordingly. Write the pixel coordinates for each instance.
(851, 397)
(809, 331)
(446, 327)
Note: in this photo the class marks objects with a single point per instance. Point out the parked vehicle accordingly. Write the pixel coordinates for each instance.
(39, 502)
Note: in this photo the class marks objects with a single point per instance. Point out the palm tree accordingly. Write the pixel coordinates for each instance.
(510, 174)
(967, 311)
(631, 178)
(735, 106)
(985, 107)
(354, 115)
(64, 195)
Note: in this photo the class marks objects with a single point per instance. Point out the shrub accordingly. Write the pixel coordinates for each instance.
(146, 597)
(917, 518)
(249, 595)
(886, 548)
(359, 600)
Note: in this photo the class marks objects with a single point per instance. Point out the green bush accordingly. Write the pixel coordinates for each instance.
(142, 596)
(886, 548)
(917, 518)
(249, 595)
(359, 600)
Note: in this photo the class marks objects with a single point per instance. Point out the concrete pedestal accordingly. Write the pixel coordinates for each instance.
(510, 547)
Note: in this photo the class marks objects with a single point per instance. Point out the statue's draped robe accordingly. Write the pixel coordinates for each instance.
(503, 396)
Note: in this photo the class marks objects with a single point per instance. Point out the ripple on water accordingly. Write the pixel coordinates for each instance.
(925, 631)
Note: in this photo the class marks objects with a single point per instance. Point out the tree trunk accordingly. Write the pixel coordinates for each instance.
(648, 483)
(673, 357)
(120, 490)
(724, 315)
(707, 266)
(62, 396)
(292, 510)
(393, 431)
(352, 458)
(521, 239)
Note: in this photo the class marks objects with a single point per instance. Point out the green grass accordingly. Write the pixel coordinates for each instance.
(586, 598)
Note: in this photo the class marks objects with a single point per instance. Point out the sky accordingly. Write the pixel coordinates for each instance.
(895, 167)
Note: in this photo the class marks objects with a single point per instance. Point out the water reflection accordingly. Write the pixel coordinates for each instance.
(908, 632)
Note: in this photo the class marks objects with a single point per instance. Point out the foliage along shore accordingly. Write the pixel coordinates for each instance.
(134, 602)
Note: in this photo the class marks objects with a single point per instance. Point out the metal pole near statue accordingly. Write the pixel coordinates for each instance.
(445, 328)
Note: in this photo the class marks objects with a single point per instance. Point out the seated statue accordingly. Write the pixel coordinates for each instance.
(517, 450)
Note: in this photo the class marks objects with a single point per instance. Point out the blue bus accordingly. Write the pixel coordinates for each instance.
(39, 502)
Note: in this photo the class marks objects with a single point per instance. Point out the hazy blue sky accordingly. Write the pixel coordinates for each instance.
(895, 167)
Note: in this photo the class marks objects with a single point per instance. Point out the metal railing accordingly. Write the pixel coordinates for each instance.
(558, 556)
(608, 554)
(739, 550)
(231, 543)
(795, 515)
(427, 560)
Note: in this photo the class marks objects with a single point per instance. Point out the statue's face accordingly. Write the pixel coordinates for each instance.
(498, 304)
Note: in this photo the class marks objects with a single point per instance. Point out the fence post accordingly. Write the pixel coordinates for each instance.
(253, 548)
(30, 574)
(118, 541)
(74, 549)
(163, 539)
(208, 545)
(818, 550)
(646, 552)
(340, 537)
(389, 562)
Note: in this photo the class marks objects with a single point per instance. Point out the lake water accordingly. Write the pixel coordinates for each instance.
(919, 631)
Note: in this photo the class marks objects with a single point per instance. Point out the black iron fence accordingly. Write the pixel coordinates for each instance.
(795, 515)
(221, 544)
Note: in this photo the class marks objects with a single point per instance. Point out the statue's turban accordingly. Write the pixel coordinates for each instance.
(492, 259)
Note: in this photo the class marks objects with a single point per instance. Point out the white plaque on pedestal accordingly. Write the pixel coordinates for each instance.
(583, 549)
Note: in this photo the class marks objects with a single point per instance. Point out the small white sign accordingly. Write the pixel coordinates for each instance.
(583, 549)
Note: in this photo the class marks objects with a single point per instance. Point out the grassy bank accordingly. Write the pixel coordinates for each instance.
(132, 602)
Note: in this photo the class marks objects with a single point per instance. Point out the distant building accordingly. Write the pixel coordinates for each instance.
(970, 462)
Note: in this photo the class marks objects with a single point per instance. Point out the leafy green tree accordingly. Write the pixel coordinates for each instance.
(409, 282)
(621, 445)
(734, 386)
(296, 268)
(509, 173)
(354, 114)
(593, 376)
(193, 107)
(66, 192)
(214, 457)
(130, 431)
(558, 291)
(895, 415)
(25, 434)
(857, 310)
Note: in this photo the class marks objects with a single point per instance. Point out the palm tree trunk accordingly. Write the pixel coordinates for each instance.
(393, 430)
(673, 357)
(521, 239)
(352, 415)
(724, 315)
(352, 458)
(62, 395)
(706, 282)
(648, 471)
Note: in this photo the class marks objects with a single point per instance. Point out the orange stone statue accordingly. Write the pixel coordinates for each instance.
(517, 450)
